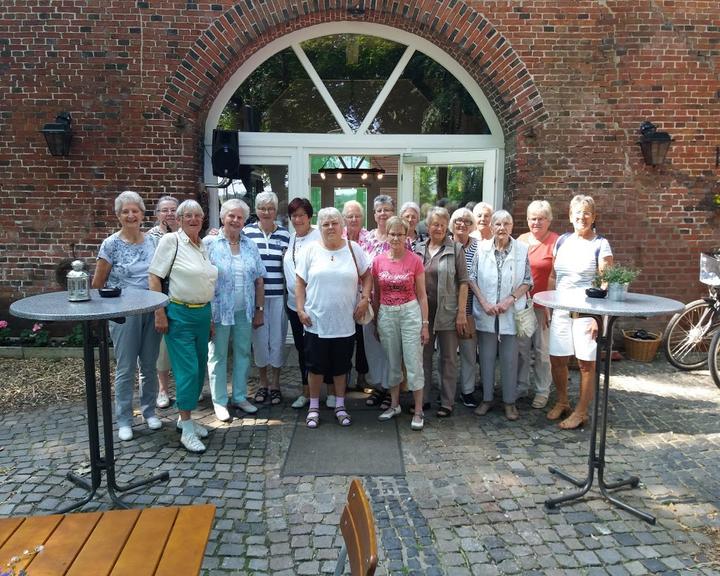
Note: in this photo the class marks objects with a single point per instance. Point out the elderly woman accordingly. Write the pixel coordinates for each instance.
(123, 261)
(354, 216)
(327, 275)
(482, 212)
(410, 212)
(186, 323)
(300, 212)
(540, 241)
(165, 211)
(447, 289)
(500, 280)
(462, 224)
(268, 340)
(375, 244)
(236, 307)
(579, 256)
(401, 317)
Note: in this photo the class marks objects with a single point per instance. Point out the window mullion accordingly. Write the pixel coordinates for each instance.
(319, 84)
(386, 89)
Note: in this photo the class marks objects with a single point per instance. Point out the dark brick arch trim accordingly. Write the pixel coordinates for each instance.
(459, 30)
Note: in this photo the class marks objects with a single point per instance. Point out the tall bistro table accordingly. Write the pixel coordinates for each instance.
(55, 306)
(605, 312)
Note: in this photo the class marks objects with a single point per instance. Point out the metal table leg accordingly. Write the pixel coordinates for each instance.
(596, 455)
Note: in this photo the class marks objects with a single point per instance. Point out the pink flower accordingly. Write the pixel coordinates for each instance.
(3, 324)
(37, 327)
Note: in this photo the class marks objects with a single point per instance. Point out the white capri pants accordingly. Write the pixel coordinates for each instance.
(268, 341)
(376, 358)
(399, 328)
(572, 336)
(163, 361)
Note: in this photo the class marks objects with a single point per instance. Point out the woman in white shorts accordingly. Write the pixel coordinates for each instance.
(578, 257)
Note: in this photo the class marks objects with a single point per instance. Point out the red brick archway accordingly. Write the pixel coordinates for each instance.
(459, 30)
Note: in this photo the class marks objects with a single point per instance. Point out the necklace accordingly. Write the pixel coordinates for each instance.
(234, 243)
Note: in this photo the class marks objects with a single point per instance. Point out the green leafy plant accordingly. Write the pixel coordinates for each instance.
(618, 274)
(35, 336)
(75, 338)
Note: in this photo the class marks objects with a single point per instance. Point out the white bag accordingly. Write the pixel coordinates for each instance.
(525, 320)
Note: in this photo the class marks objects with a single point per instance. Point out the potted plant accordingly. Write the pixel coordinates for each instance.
(617, 277)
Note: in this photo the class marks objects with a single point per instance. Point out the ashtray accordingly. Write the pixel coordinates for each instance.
(109, 292)
(596, 293)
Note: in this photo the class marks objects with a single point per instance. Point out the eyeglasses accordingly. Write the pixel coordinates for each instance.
(267, 209)
(463, 221)
(396, 234)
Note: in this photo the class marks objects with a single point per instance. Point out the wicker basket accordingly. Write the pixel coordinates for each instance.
(641, 350)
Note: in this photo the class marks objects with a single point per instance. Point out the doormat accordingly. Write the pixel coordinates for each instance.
(367, 448)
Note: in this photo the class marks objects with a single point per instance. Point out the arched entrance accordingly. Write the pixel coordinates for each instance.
(374, 126)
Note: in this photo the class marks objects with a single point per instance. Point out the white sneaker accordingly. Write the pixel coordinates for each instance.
(125, 433)
(418, 422)
(153, 422)
(246, 407)
(390, 413)
(201, 431)
(163, 400)
(330, 401)
(191, 442)
(221, 412)
(300, 402)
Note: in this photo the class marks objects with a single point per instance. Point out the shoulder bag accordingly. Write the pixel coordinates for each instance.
(369, 314)
(525, 319)
(165, 282)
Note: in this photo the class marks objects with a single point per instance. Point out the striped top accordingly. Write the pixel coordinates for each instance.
(470, 251)
(271, 247)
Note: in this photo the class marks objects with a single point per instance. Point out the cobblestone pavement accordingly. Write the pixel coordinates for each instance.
(469, 504)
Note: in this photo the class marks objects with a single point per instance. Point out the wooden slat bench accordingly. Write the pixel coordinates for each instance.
(151, 542)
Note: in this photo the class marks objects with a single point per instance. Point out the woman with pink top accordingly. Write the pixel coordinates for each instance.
(401, 317)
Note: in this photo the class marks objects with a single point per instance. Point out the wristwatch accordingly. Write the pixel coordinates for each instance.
(259, 308)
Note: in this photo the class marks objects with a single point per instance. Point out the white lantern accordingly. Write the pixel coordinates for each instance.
(78, 283)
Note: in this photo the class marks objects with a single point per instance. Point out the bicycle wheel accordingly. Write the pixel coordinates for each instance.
(714, 358)
(686, 340)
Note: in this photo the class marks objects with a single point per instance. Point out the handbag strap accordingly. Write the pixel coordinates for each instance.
(352, 252)
(177, 245)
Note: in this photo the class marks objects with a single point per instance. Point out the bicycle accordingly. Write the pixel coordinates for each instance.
(688, 337)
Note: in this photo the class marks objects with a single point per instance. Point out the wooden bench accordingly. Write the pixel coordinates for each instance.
(151, 542)
(357, 526)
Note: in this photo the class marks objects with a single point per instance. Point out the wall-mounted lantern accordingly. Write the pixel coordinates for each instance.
(654, 144)
(58, 134)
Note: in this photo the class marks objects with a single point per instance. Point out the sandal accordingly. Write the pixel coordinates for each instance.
(342, 417)
(444, 412)
(375, 398)
(312, 420)
(574, 421)
(275, 397)
(386, 402)
(261, 395)
(559, 411)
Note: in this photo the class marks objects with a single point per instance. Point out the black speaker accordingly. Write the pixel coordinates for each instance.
(226, 154)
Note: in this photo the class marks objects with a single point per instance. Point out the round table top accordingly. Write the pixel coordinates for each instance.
(56, 306)
(635, 305)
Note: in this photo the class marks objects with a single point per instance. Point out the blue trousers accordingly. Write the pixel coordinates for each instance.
(241, 333)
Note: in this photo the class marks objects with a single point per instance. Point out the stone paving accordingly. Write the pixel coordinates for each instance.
(470, 502)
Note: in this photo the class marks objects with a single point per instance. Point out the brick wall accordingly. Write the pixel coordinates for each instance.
(570, 81)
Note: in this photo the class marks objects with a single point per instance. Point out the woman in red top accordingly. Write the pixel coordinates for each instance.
(401, 317)
(541, 242)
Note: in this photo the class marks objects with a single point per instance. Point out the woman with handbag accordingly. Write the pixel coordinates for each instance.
(499, 280)
(446, 285)
(123, 261)
(462, 224)
(541, 242)
(401, 317)
(326, 281)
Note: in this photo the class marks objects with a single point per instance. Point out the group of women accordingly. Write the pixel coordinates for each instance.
(388, 297)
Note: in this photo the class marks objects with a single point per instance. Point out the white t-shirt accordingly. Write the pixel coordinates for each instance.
(292, 257)
(331, 292)
(577, 259)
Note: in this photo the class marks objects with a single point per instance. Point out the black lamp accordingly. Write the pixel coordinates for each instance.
(654, 144)
(351, 170)
(58, 134)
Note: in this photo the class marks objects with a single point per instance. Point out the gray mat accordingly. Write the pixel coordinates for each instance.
(368, 447)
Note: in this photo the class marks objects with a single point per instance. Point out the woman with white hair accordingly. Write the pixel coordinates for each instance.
(236, 307)
(166, 221)
(183, 258)
(123, 261)
(462, 224)
(410, 212)
(268, 340)
(327, 276)
(483, 213)
(500, 280)
(541, 242)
